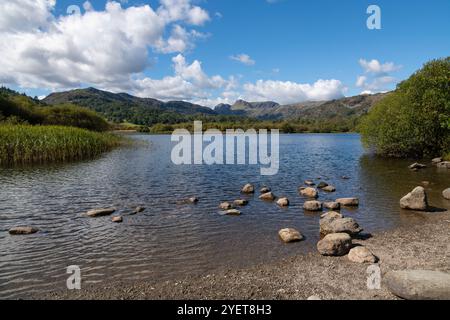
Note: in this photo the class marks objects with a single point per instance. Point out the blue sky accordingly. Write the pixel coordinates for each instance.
(252, 49)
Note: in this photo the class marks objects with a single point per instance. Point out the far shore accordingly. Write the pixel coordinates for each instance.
(419, 245)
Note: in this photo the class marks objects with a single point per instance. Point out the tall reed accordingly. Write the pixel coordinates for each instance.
(24, 144)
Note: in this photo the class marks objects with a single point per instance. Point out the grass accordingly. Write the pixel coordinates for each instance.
(25, 144)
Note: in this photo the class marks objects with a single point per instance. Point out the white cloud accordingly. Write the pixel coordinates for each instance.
(292, 92)
(377, 76)
(101, 48)
(243, 58)
(375, 67)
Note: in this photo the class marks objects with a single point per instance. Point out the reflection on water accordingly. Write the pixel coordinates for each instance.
(171, 239)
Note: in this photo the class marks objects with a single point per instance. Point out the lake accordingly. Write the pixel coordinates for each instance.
(171, 239)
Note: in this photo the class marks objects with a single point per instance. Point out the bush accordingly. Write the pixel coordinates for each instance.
(414, 120)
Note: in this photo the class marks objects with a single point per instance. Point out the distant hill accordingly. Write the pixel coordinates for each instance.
(122, 107)
(340, 108)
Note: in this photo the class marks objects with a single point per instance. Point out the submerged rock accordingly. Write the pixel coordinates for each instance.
(309, 193)
(329, 189)
(267, 196)
(415, 200)
(139, 210)
(322, 185)
(417, 166)
(419, 284)
(361, 255)
(193, 200)
(23, 230)
(348, 202)
(283, 202)
(233, 212)
(226, 206)
(309, 183)
(332, 205)
(290, 235)
(336, 244)
(117, 219)
(265, 190)
(446, 194)
(248, 188)
(312, 206)
(101, 212)
(241, 203)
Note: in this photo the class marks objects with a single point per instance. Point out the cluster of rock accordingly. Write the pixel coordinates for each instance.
(440, 163)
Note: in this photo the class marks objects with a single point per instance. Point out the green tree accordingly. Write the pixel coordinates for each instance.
(414, 120)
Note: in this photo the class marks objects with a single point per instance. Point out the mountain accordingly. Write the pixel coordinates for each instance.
(122, 107)
(339, 108)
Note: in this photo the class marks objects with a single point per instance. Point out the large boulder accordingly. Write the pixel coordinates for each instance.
(415, 200)
(312, 206)
(336, 244)
(419, 284)
(339, 225)
(361, 255)
(290, 235)
(309, 193)
(446, 194)
(267, 196)
(100, 212)
(23, 230)
(348, 202)
(248, 188)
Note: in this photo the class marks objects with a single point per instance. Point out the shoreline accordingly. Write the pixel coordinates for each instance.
(415, 246)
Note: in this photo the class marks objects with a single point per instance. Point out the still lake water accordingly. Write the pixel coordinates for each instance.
(173, 240)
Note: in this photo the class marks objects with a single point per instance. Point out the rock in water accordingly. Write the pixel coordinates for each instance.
(283, 202)
(336, 244)
(290, 235)
(248, 188)
(265, 190)
(436, 161)
(312, 206)
(417, 166)
(101, 212)
(309, 183)
(193, 200)
(241, 203)
(226, 206)
(118, 219)
(332, 205)
(361, 255)
(419, 284)
(267, 196)
(322, 185)
(339, 225)
(233, 212)
(329, 189)
(446, 194)
(444, 164)
(415, 200)
(23, 230)
(309, 193)
(139, 210)
(348, 202)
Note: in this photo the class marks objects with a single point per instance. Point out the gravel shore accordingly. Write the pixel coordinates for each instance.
(424, 245)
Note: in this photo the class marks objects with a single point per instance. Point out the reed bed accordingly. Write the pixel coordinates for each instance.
(25, 144)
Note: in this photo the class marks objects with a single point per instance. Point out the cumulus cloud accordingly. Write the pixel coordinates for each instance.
(292, 92)
(377, 77)
(243, 58)
(375, 67)
(102, 48)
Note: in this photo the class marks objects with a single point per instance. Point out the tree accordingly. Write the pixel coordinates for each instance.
(414, 120)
